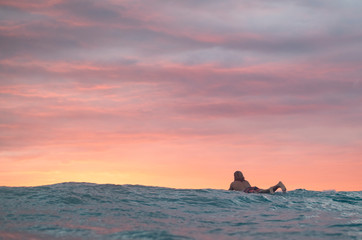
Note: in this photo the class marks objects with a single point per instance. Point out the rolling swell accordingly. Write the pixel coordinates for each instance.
(92, 211)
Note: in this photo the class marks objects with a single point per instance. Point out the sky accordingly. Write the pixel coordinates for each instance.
(181, 93)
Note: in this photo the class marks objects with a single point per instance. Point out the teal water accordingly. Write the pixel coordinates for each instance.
(92, 211)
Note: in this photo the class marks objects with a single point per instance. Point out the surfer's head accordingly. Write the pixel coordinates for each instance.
(238, 176)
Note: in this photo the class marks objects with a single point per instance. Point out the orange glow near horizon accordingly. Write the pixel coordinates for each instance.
(171, 165)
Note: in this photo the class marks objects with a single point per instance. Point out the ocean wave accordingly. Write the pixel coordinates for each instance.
(106, 211)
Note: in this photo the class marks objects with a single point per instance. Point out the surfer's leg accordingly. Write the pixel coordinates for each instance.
(282, 186)
(269, 190)
(273, 188)
(279, 185)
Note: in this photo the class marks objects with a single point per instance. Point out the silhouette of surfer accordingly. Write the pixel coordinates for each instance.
(240, 184)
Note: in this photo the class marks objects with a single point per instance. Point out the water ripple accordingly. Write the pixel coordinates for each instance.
(91, 211)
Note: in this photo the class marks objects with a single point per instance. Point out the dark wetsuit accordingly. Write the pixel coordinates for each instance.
(252, 190)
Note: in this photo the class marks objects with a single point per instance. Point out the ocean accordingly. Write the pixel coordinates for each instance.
(107, 211)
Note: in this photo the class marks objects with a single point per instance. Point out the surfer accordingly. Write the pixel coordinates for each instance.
(240, 184)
